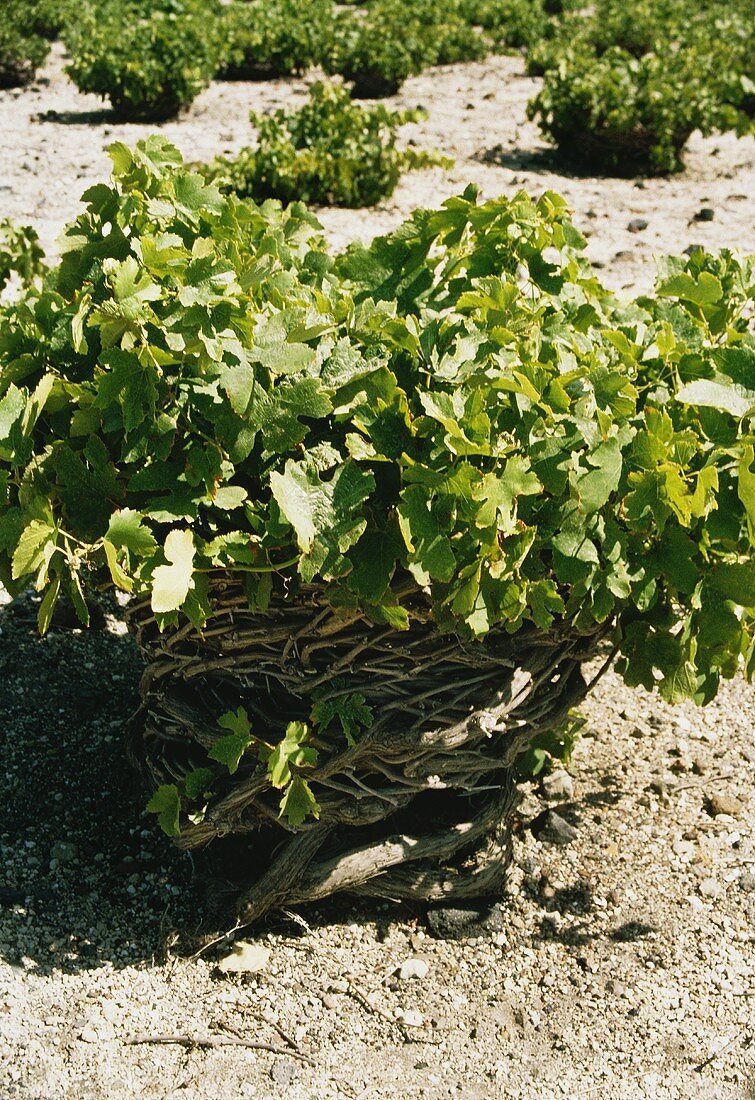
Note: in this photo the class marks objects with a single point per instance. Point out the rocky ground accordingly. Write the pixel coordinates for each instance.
(619, 964)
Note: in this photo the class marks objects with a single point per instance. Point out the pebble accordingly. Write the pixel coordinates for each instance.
(89, 1035)
(709, 888)
(413, 968)
(722, 803)
(558, 786)
(329, 1001)
(412, 1018)
(284, 1072)
(636, 225)
(704, 214)
(552, 828)
(449, 923)
(747, 882)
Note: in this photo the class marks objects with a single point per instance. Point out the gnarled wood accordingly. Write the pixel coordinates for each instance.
(450, 718)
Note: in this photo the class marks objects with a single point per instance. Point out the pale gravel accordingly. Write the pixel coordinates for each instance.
(623, 961)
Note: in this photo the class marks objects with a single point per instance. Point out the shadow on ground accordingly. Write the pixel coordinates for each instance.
(101, 116)
(84, 877)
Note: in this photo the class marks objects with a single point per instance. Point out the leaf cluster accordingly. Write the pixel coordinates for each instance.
(22, 49)
(330, 151)
(149, 59)
(626, 115)
(281, 764)
(703, 55)
(379, 47)
(460, 408)
(20, 254)
(269, 38)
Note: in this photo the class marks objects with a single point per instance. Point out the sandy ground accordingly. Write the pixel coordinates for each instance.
(620, 965)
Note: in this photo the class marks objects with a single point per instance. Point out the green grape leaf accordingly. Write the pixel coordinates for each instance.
(430, 553)
(350, 709)
(126, 531)
(298, 802)
(716, 394)
(166, 803)
(228, 750)
(171, 583)
(290, 751)
(198, 784)
(323, 513)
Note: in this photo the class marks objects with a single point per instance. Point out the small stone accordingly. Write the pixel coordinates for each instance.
(722, 803)
(558, 786)
(63, 851)
(284, 1072)
(329, 1001)
(443, 1023)
(636, 225)
(339, 986)
(747, 882)
(245, 958)
(412, 1018)
(448, 923)
(89, 1035)
(709, 888)
(704, 214)
(684, 849)
(552, 828)
(413, 968)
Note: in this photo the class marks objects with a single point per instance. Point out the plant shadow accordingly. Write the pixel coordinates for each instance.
(85, 878)
(546, 161)
(541, 161)
(101, 116)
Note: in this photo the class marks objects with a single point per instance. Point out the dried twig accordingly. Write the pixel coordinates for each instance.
(358, 995)
(741, 1036)
(288, 1039)
(190, 1042)
(212, 943)
(700, 783)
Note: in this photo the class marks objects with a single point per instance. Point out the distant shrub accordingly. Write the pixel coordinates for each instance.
(49, 18)
(331, 151)
(21, 50)
(377, 50)
(269, 38)
(625, 115)
(149, 60)
(508, 23)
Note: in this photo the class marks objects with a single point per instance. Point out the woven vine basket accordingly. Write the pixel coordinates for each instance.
(420, 806)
